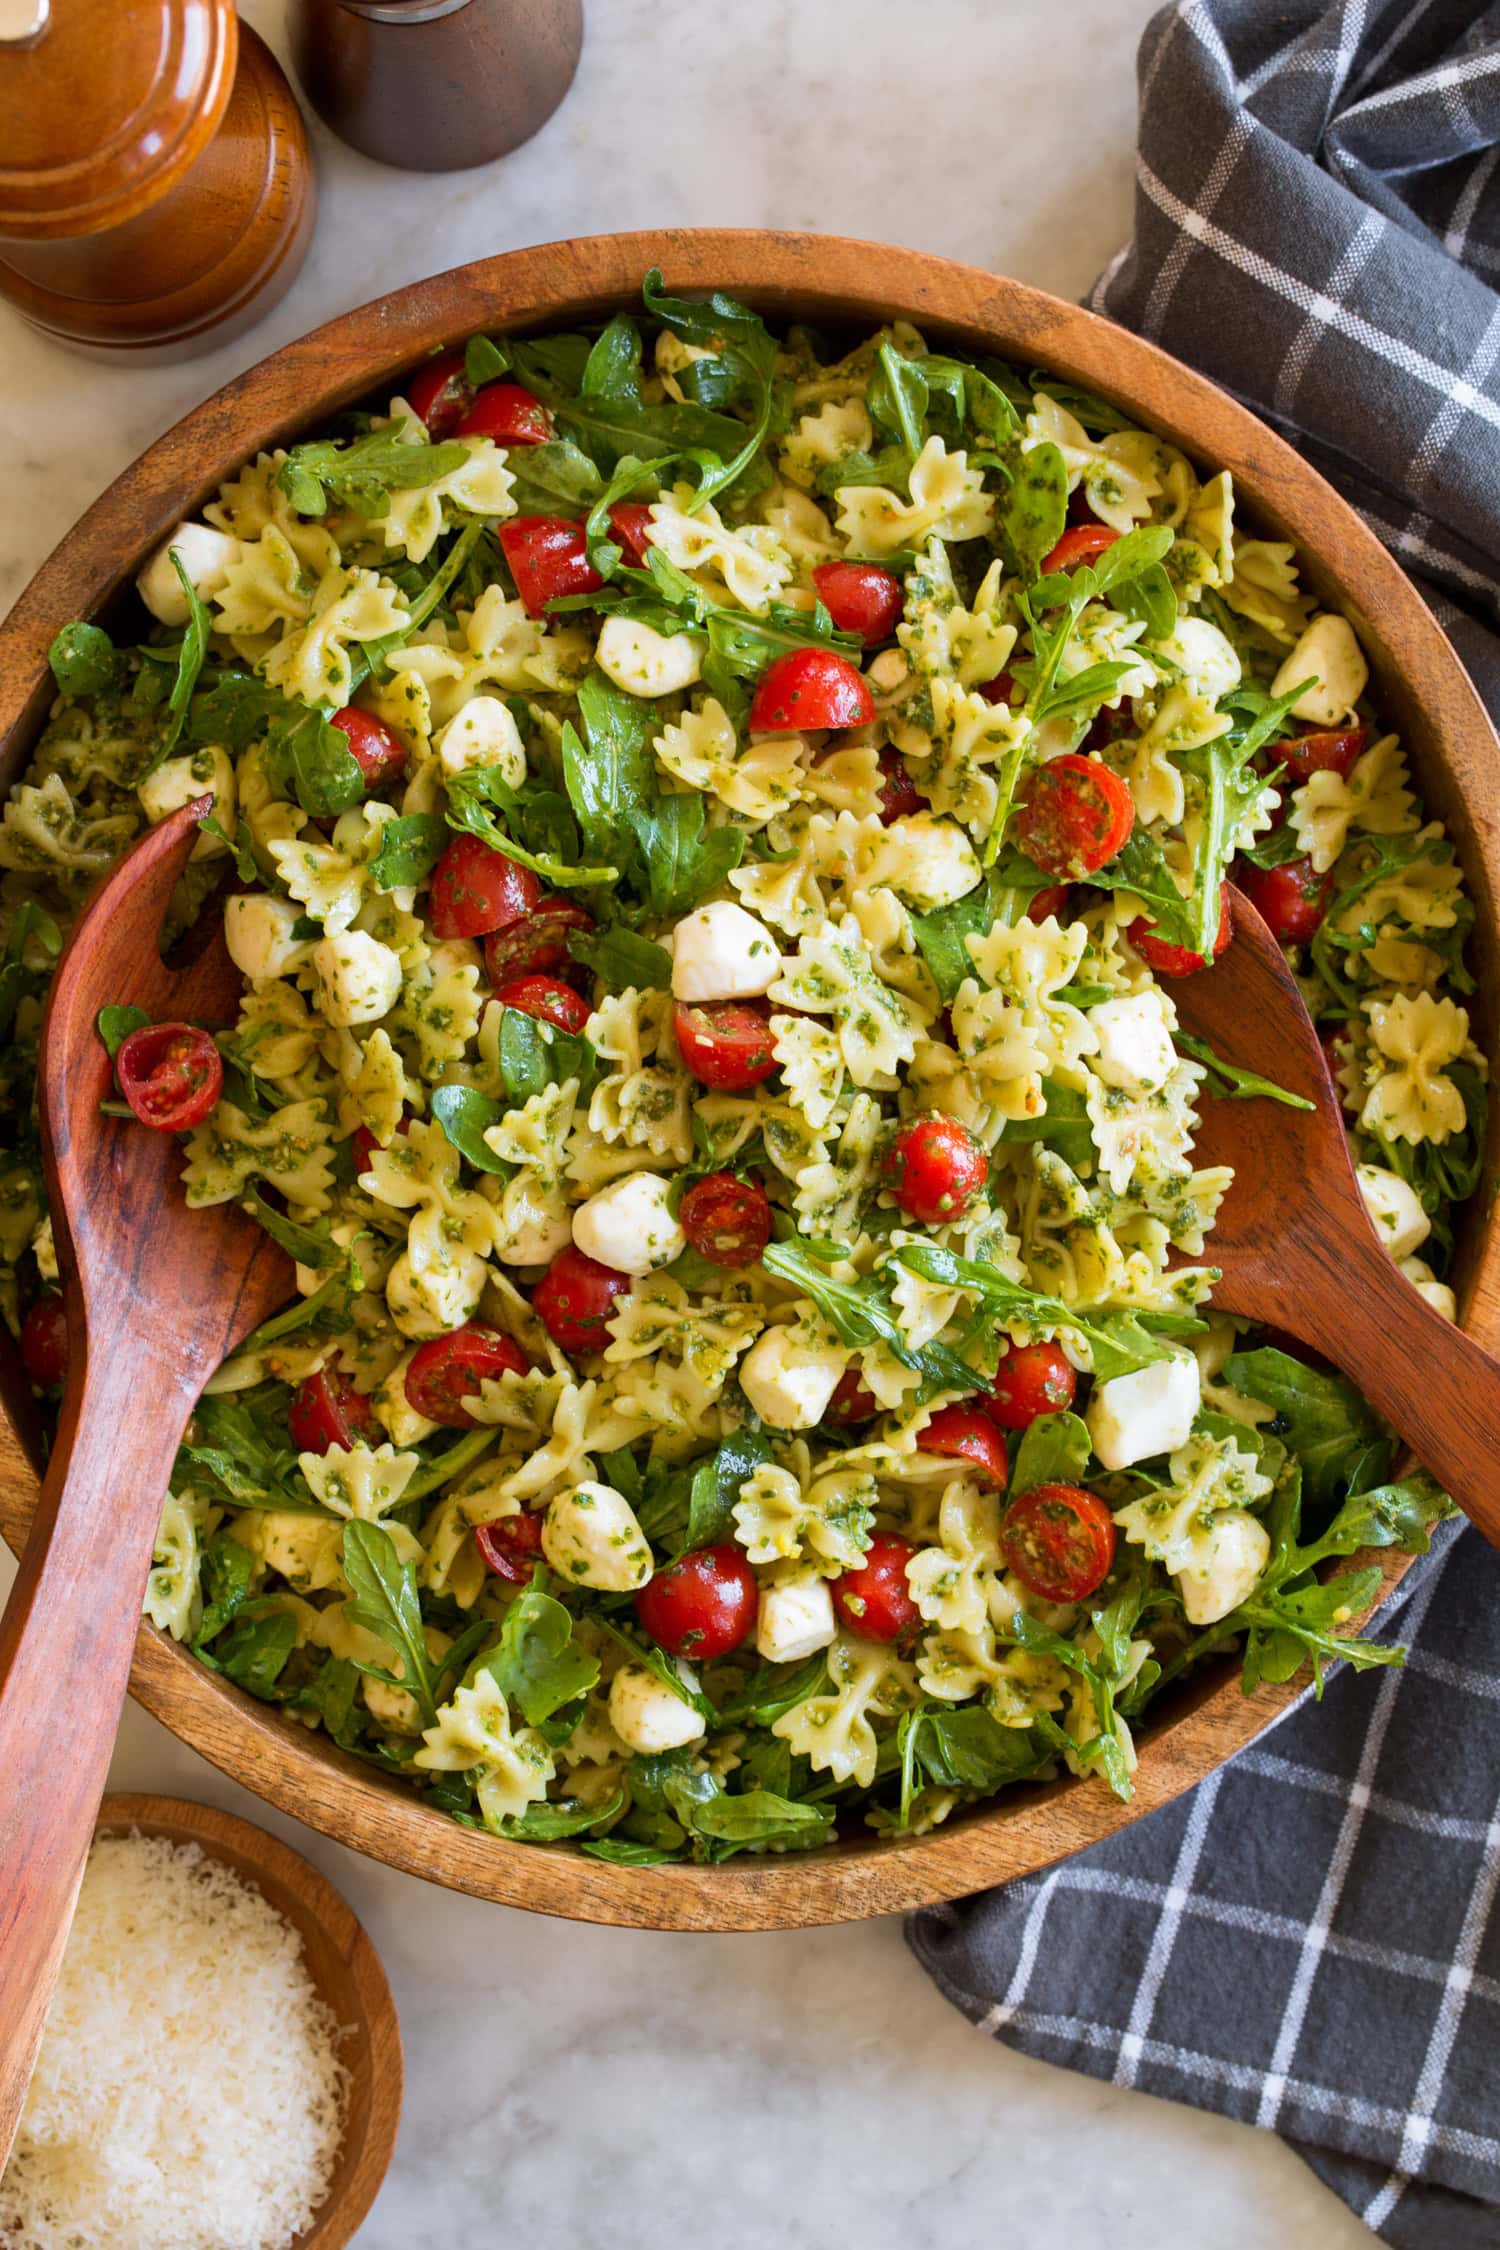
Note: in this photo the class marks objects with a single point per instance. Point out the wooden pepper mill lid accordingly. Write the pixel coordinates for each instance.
(156, 185)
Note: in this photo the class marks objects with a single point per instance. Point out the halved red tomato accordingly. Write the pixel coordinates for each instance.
(446, 1370)
(171, 1074)
(726, 1043)
(1059, 1539)
(1077, 815)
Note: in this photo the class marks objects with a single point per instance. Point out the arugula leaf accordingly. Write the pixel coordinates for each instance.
(485, 359)
(1064, 1125)
(32, 923)
(739, 372)
(469, 796)
(114, 1026)
(683, 860)
(1235, 1084)
(253, 1651)
(1053, 605)
(1140, 867)
(555, 1818)
(386, 1602)
(442, 1467)
(554, 478)
(897, 396)
(225, 1574)
(190, 655)
(973, 398)
(620, 958)
(616, 774)
(362, 472)
(1286, 1628)
(772, 1690)
(1054, 1449)
(1034, 512)
(537, 1664)
(860, 1313)
(466, 1116)
(965, 1748)
(754, 1818)
(85, 661)
(310, 1245)
(241, 846)
(237, 1446)
(656, 1660)
(535, 1055)
(1119, 1342)
(327, 1311)
(312, 759)
(1107, 1750)
(613, 367)
(1341, 1443)
(332, 1696)
(716, 1485)
(1001, 897)
(410, 847)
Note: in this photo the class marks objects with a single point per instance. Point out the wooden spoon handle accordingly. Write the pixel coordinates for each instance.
(1432, 1383)
(66, 1641)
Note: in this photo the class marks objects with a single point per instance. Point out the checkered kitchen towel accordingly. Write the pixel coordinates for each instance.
(1311, 1940)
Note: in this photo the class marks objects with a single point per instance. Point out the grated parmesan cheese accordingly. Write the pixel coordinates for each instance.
(188, 2095)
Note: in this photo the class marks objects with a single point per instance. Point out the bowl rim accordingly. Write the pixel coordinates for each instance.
(261, 1859)
(787, 275)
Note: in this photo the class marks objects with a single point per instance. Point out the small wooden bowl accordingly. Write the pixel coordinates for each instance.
(344, 1967)
(839, 285)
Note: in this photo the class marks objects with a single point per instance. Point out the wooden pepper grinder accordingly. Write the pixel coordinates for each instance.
(156, 184)
(435, 85)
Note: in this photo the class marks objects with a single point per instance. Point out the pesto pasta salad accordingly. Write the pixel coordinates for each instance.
(711, 824)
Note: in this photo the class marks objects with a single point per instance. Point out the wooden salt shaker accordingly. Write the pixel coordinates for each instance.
(435, 85)
(156, 184)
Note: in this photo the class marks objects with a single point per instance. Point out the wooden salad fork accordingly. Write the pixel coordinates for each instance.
(1295, 1242)
(156, 1296)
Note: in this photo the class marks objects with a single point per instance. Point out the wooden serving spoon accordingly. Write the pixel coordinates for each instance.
(1295, 1242)
(156, 1296)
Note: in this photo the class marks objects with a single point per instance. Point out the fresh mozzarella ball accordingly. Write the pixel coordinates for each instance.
(591, 1538)
(205, 554)
(937, 865)
(795, 1619)
(647, 1716)
(402, 1423)
(258, 932)
(628, 1225)
(886, 671)
(206, 772)
(484, 733)
(788, 1380)
(537, 1241)
(1135, 1044)
(1206, 656)
(1329, 649)
(1395, 1212)
(1134, 1417)
(359, 979)
(719, 952)
(1229, 1561)
(645, 662)
(1425, 1282)
(427, 1300)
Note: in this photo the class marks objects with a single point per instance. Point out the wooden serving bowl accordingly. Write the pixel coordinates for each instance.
(841, 283)
(344, 1968)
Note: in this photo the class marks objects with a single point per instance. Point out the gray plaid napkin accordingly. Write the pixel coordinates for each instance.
(1311, 1941)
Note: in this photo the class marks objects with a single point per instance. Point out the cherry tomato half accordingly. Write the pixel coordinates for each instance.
(575, 1298)
(967, 1434)
(701, 1606)
(538, 944)
(510, 1547)
(363, 1144)
(548, 557)
(442, 1373)
(171, 1074)
(810, 687)
(508, 413)
(1080, 543)
(1059, 1539)
(476, 889)
(899, 794)
(1077, 815)
(1031, 1379)
(44, 1342)
(1178, 960)
(874, 1600)
(853, 1401)
(1293, 898)
(630, 521)
(1307, 754)
(726, 1043)
(548, 999)
(440, 394)
(935, 1168)
(327, 1410)
(379, 751)
(727, 1221)
(1052, 898)
(861, 598)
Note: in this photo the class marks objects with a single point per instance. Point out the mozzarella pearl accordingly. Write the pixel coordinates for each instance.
(258, 932)
(1328, 649)
(629, 1226)
(359, 979)
(204, 773)
(1205, 655)
(647, 1716)
(1135, 1044)
(427, 1300)
(795, 1619)
(721, 952)
(1395, 1212)
(205, 554)
(483, 733)
(591, 1538)
(789, 1380)
(1134, 1417)
(645, 662)
(1425, 1282)
(1229, 1561)
(932, 862)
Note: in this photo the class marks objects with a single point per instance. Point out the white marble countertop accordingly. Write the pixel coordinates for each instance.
(589, 2086)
